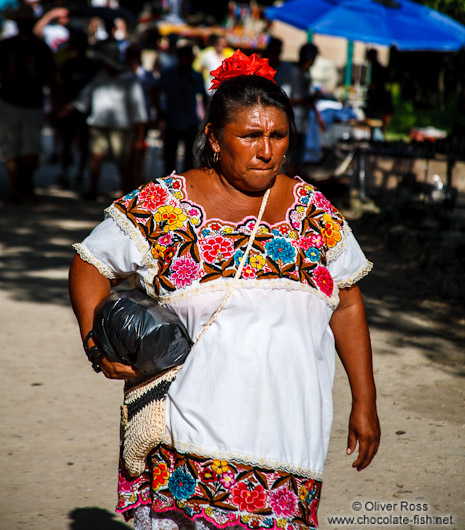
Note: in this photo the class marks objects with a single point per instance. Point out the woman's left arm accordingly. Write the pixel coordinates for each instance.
(352, 337)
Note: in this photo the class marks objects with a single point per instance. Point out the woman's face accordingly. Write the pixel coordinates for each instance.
(252, 147)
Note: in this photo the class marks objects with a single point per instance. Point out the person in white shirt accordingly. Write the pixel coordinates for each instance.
(115, 102)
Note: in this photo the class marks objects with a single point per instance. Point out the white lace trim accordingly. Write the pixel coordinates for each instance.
(141, 244)
(241, 458)
(86, 255)
(221, 285)
(363, 271)
(335, 252)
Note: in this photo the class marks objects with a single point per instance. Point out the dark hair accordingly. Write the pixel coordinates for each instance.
(307, 51)
(233, 95)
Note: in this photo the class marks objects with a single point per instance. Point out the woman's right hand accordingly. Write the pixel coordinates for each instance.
(114, 370)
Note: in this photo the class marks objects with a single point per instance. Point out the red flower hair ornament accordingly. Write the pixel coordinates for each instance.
(240, 64)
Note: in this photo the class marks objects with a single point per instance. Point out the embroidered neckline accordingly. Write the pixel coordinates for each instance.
(247, 219)
(181, 249)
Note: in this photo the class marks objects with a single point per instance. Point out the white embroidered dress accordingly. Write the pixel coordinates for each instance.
(257, 388)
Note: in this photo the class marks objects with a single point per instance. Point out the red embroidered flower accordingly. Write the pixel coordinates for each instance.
(323, 280)
(152, 196)
(248, 272)
(208, 475)
(216, 248)
(305, 242)
(248, 499)
(160, 476)
(239, 64)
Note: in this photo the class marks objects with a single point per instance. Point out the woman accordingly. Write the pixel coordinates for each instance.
(249, 414)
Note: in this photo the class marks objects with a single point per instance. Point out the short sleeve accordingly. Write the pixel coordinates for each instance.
(110, 250)
(350, 264)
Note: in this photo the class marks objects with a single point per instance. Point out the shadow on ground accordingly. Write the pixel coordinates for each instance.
(36, 249)
(93, 518)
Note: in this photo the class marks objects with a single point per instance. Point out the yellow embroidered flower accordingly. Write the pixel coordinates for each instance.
(300, 209)
(160, 476)
(227, 229)
(158, 251)
(173, 217)
(178, 195)
(293, 234)
(257, 262)
(331, 231)
(303, 492)
(220, 466)
(245, 518)
(195, 221)
(209, 511)
(281, 523)
(263, 230)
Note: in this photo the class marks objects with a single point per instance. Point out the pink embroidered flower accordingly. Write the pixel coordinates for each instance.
(317, 241)
(165, 240)
(185, 271)
(227, 480)
(323, 280)
(283, 502)
(305, 242)
(322, 202)
(193, 212)
(126, 485)
(248, 272)
(247, 499)
(216, 248)
(152, 196)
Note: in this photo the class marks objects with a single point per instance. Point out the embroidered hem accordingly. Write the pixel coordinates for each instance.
(223, 492)
(86, 255)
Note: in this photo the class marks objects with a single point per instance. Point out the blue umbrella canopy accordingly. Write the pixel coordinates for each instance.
(400, 23)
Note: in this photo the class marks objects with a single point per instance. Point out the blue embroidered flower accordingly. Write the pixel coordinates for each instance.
(181, 484)
(169, 180)
(280, 249)
(276, 232)
(304, 200)
(130, 195)
(205, 232)
(238, 256)
(313, 254)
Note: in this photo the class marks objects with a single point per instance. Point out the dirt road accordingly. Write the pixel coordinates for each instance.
(60, 420)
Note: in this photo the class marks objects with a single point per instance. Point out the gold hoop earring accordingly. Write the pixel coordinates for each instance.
(216, 157)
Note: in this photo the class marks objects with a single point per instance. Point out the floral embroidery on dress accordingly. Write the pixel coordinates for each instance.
(223, 492)
(190, 249)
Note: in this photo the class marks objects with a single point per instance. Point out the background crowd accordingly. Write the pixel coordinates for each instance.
(102, 78)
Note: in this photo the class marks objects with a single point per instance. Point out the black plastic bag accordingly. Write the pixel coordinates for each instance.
(131, 328)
